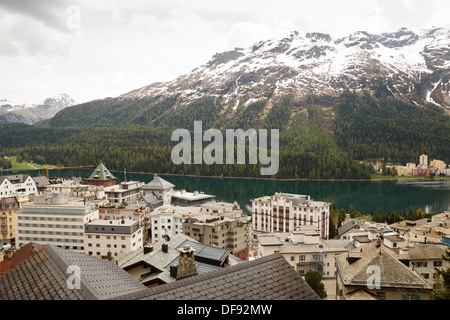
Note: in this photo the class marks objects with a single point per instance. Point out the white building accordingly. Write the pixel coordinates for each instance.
(14, 184)
(285, 212)
(125, 192)
(304, 249)
(168, 220)
(191, 199)
(54, 219)
(120, 237)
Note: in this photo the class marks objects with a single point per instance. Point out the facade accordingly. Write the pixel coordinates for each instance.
(101, 176)
(305, 250)
(168, 221)
(285, 212)
(438, 164)
(17, 184)
(423, 160)
(134, 212)
(114, 236)
(54, 219)
(421, 172)
(8, 208)
(125, 192)
(216, 229)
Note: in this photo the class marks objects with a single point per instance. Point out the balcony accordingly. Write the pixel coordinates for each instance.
(318, 270)
(304, 263)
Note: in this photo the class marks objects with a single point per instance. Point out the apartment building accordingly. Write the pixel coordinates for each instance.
(8, 208)
(423, 160)
(305, 250)
(168, 221)
(124, 192)
(119, 237)
(284, 212)
(233, 234)
(54, 219)
(136, 212)
(14, 184)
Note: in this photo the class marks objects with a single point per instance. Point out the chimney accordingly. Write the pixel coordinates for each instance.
(186, 263)
(33, 249)
(148, 249)
(165, 248)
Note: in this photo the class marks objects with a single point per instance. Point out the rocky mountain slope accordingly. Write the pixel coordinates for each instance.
(30, 113)
(413, 65)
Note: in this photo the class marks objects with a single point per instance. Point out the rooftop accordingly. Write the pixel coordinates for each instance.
(267, 278)
(101, 173)
(44, 276)
(158, 183)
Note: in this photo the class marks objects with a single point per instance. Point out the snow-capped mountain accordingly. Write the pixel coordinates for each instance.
(31, 113)
(413, 65)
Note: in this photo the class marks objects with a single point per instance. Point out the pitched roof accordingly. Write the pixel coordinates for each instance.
(41, 181)
(101, 173)
(349, 225)
(267, 278)
(393, 273)
(207, 258)
(19, 256)
(158, 183)
(44, 276)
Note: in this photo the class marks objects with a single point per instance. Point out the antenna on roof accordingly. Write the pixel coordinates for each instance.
(125, 169)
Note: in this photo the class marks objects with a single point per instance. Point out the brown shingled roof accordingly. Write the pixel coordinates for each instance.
(19, 256)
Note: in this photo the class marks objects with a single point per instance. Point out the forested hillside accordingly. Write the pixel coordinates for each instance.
(316, 142)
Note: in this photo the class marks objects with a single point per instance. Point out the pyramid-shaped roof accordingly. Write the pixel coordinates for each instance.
(101, 173)
(158, 183)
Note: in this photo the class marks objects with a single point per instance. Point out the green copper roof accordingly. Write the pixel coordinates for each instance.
(101, 173)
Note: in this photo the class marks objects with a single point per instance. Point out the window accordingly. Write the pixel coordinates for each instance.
(292, 258)
(437, 263)
(301, 257)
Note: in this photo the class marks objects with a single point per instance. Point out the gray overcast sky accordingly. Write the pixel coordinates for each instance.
(103, 48)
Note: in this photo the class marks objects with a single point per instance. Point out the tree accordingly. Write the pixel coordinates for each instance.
(315, 282)
(108, 256)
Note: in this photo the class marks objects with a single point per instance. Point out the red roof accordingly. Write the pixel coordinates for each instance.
(19, 256)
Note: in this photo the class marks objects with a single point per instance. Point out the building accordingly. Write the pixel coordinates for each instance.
(8, 208)
(113, 236)
(75, 188)
(373, 272)
(438, 164)
(124, 192)
(56, 220)
(158, 190)
(157, 264)
(120, 211)
(285, 212)
(268, 278)
(20, 183)
(232, 232)
(191, 199)
(424, 230)
(423, 160)
(168, 221)
(305, 250)
(101, 176)
(359, 227)
(41, 183)
(421, 172)
(424, 259)
(57, 274)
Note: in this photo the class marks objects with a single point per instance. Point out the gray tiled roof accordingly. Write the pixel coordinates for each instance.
(158, 183)
(267, 278)
(43, 276)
